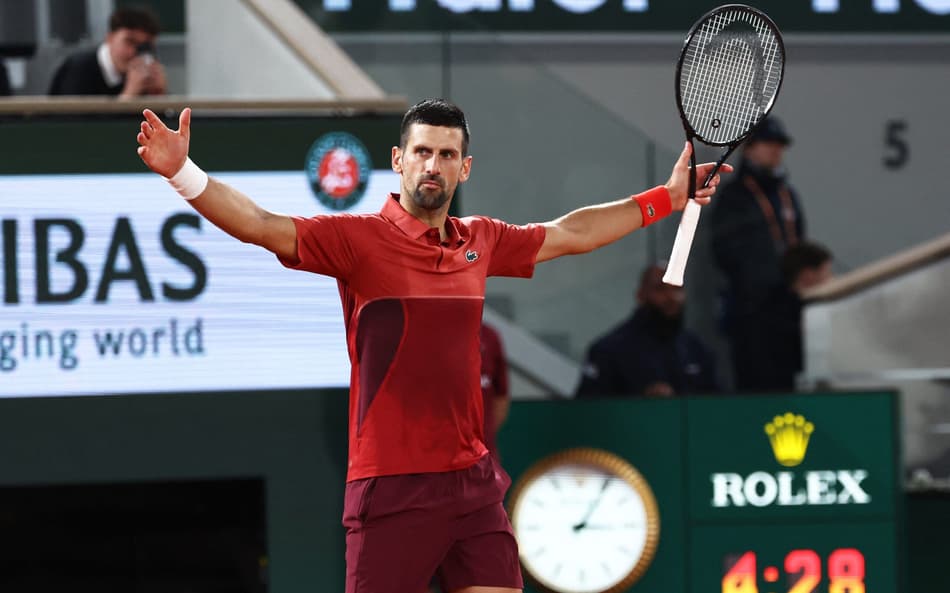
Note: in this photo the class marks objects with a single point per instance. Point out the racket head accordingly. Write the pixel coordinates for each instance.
(729, 74)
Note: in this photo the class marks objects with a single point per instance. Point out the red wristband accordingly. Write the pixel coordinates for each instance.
(654, 204)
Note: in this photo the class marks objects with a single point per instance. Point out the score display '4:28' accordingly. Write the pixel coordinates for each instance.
(802, 571)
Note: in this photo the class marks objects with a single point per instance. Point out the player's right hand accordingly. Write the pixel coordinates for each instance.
(678, 185)
(162, 149)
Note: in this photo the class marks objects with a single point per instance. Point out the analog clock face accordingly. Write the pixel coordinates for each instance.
(583, 527)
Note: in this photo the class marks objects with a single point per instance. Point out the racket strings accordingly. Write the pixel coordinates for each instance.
(730, 75)
(749, 84)
(744, 80)
(727, 72)
(735, 94)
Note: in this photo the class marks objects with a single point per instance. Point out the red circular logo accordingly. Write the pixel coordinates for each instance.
(338, 168)
(339, 173)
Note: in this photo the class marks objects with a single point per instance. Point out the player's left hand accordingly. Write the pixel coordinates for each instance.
(678, 185)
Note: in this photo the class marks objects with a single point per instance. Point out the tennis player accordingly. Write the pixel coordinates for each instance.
(423, 496)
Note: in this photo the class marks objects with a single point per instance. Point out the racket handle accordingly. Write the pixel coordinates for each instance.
(684, 240)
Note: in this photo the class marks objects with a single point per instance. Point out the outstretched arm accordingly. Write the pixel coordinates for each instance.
(591, 227)
(166, 151)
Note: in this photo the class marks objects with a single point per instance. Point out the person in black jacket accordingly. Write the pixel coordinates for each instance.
(776, 344)
(651, 353)
(754, 220)
(124, 65)
(4, 81)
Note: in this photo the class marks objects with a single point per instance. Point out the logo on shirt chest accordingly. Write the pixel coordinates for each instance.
(471, 255)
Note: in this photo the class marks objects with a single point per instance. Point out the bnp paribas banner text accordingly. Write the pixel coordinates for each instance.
(111, 283)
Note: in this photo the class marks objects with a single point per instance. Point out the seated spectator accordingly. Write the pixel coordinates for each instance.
(651, 353)
(777, 340)
(124, 65)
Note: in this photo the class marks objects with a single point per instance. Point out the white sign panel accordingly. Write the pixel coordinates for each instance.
(112, 284)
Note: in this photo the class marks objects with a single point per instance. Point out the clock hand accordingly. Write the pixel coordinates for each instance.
(593, 505)
(615, 526)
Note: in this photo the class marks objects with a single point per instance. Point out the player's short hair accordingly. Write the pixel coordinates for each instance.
(803, 256)
(434, 112)
(136, 18)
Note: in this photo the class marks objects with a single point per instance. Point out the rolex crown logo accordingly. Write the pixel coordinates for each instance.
(789, 434)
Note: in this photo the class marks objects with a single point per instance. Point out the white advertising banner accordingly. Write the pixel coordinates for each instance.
(110, 283)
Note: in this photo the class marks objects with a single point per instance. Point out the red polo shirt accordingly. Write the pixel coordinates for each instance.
(412, 306)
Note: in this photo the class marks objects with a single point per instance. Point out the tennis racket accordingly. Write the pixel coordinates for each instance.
(727, 79)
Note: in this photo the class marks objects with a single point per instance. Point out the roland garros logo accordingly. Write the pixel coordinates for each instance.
(338, 168)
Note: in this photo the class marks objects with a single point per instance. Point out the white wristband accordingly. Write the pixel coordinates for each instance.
(189, 181)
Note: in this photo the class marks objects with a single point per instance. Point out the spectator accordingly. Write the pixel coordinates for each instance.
(124, 65)
(495, 393)
(777, 342)
(651, 353)
(755, 219)
(4, 80)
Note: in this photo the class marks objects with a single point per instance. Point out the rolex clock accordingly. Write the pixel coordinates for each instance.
(586, 522)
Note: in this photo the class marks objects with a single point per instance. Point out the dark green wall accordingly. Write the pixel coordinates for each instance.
(295, 440)
(928, 545)
(105, 143)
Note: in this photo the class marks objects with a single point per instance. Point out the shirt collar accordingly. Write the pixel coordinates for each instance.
(457, 234)
(109, 71)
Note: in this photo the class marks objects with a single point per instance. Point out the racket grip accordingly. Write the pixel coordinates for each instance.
(681, 245)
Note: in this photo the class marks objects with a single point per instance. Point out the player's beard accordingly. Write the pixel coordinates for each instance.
(429, 199)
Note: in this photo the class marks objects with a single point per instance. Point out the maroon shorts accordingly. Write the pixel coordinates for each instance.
(401, 531)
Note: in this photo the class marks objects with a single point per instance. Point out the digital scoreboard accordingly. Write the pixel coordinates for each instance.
(795, 559)
(802, 570)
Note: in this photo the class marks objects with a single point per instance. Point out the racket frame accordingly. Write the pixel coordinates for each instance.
(690, 132)
(688, 222)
